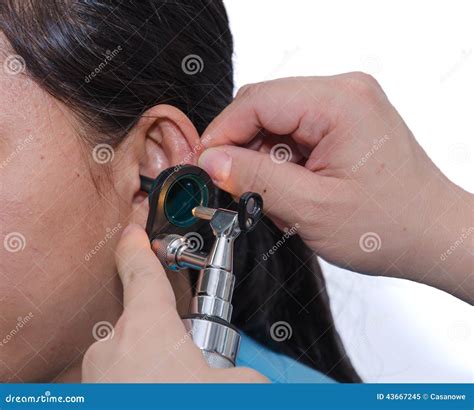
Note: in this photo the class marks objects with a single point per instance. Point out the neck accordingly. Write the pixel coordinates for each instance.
(73, 374)
(181, 284)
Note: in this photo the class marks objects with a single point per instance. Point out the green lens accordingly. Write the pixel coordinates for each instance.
(186, 193)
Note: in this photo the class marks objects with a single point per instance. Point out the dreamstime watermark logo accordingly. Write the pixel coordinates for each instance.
(459, 153)
(191, 154)
(371, 63)
(465, 54)
(195, 241)
(465, 233)
(281, 153)
(103, 153)
(14, 64)
(378, 143)
(192, 64)
(287, 56)
(370, 242)
(14, 242)
(459, 330)
(109, 56)
(21, 322)
(110, 233)
(187, 336)
(281, 242)
(103, 331)
(181, 342)
(281, 331)
(20, 147)
(46, 397)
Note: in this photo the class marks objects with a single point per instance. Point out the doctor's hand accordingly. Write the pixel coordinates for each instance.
(334, 160)
(149, 343)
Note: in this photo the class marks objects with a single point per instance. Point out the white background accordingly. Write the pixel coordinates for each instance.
(422, 53)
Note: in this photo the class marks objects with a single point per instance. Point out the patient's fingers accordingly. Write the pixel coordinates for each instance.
(150, 332)
(145, 283)
(149, 300)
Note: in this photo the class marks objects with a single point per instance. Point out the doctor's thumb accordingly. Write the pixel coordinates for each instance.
(238, 170)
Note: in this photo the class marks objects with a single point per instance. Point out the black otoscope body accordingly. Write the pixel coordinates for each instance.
(178, 201)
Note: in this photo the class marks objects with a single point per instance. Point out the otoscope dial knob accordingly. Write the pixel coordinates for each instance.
(166, 247)
(173, 253)
(250, 211)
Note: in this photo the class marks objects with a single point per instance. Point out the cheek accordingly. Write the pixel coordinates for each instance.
(56, 255)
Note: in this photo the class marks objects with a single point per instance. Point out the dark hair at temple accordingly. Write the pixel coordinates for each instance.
(112, 60)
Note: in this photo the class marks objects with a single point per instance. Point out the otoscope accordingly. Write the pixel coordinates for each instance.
(179, 201)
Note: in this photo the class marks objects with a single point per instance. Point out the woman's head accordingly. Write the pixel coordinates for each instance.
(95, 93)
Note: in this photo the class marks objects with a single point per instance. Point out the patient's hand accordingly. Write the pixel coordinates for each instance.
(150, 343)
(348, 174)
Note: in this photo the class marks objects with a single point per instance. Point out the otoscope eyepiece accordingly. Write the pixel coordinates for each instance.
(185, 193)
(172, 198)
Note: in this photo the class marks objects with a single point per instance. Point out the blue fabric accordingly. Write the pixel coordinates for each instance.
(277, 367)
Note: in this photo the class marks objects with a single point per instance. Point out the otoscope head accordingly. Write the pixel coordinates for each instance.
(172, 198)
(179, 199)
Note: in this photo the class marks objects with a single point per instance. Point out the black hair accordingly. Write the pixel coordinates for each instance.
(110, 61)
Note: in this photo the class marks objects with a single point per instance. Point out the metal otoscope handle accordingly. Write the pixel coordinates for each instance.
(208, 321)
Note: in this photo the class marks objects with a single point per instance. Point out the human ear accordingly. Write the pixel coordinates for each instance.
(164, 137)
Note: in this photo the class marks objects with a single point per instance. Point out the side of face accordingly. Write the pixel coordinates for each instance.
(64, 203)
(58, 231)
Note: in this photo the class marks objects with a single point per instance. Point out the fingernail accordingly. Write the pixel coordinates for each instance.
(217, 163)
